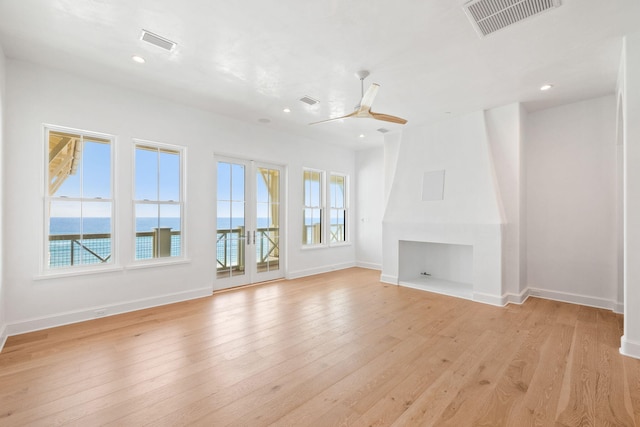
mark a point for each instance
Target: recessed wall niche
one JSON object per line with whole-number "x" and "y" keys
{"x": 437, "y": 267}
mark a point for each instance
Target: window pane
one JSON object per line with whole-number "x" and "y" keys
{"x": 65, "y": 156}
{"x": 96, "y": 170}
{"x": 169, "y": 175}
{"x": 169, "y": 240}
{"x": 314, "y": 189}
{"x": 263, "y": 179}
{"x": 237, "y": 214}
{"x": 237, "y": 182}
{"x": 337, "y": 191}
{"x": 65, "y": 227}
{"x": 312, "y": 226}
{"x": 224, "y": 215}
{"x": 337, "y": 225}
{"x": 147, "y": 220}
{"x": 146, "y": 174}
{"x": 95, "y": 247}
{"x": 224, "y": 181}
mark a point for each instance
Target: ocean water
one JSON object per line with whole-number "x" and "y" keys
{"x": 92, "y": 251}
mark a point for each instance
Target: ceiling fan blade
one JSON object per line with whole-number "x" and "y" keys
{"x": 335, "y": 118}
{"x": 368, "y": 97}
{"x": 388, "y": 118}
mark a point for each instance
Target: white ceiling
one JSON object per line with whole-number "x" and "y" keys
{"x": 249, "y": 59}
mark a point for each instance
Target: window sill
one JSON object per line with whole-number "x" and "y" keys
{"x": 313, "y": 247}
{"x": 157, "y": 263}
{"x": 339, "y": 245}
{"x": 55, "y": 274}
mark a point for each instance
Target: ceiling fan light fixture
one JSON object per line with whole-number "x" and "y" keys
{"x": 363, "y": 109}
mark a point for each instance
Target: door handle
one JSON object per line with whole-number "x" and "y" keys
{"x": 248, "y": 237}
{"x": 254, "y": 237}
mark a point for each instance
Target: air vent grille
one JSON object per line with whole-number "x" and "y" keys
{"x": 489, "y": 16}
{"x": 157, "y": 40}
{"x": 383, "y": 130}
{"x": 309, "y": 100}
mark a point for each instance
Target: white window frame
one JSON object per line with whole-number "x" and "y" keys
{"x": 330, "y": 209}
{"x": 181, "y": 203}
{"x": 322, "y": 208}
{"x": 113, "y": 262}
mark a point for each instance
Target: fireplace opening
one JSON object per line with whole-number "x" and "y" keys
{"x": 436, "y": 267}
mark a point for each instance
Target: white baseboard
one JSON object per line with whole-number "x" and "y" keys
{"x": 368, "y": 265}
{"x": 61, "y": 319}
{"x": 629, "y": 348}
{"x": 516, "y": 298}
{"x": 618, "y": 307}
{"x": 319, "y": 270}
{"x": 3, "y": 335}
{"x": 496, "y": 300}
{"x": 573, "y": 298}
{"x": 392, "y": 280}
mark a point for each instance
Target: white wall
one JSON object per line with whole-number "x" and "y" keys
{"x": 630, "y": 91}
{"x": 370, "y": 207}
{"x": 37, "y": 95}
{"x": 2, "y": 130}
{"x": 504, "y": 129}
{"x": 460, "y": 147}
{"x": 571, "y": 202}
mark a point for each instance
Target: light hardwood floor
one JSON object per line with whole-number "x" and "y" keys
{"x": 328, "y": 350}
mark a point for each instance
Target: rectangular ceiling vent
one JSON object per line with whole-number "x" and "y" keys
{"x": 157, "y": 40}
{"x": 309, "y": 100}
{"x": 489, "y": 16}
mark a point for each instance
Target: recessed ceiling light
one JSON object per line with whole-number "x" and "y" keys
{"x": 138, "y": 59}
{"x": 287, "y": 110}
{"x": 546, "y": 87}
{"x": 362, "y": 135}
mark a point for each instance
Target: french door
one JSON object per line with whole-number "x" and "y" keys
{"x": 249, "y": 222}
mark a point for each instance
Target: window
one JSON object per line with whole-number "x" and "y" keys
{"x": 79, "y": 199}
{"x": 312, "y": 215}
{"x": 158, "y": 201}
{"x": 337, "y": 208}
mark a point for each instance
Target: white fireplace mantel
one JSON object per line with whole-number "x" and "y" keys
{"x": 486, "y": 240}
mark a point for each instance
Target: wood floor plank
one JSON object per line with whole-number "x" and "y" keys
{"x": 334, "y": 349}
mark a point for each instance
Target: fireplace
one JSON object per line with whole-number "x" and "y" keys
{"x": 436, "y": 267}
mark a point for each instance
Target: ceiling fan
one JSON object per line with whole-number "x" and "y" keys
{"x": 363, "y": 109}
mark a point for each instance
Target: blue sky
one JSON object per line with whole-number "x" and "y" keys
{"x": 92, "y": 180}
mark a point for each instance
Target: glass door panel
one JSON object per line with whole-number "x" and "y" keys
{"x": 267, "y": 219}
{"x": 231, "y": 237}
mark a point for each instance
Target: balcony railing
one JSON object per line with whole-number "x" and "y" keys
{"x": 72, "y": 249}
{"x": 231, "y": 245}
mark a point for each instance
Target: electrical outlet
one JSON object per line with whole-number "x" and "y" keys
{"x": 100, "y": 313}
